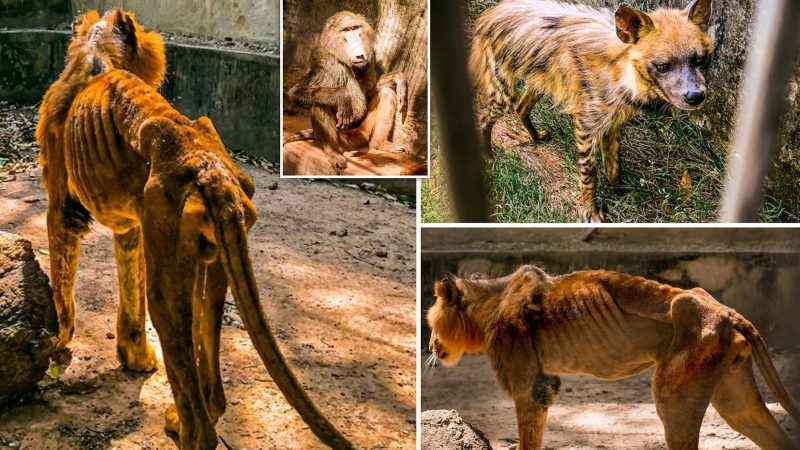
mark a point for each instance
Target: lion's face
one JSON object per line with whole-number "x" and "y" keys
{"x": 447, "y": 356}
{"x": 121, "y": 43}
{"x": 453, "y": 331}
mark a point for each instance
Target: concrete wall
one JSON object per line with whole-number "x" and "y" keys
{"x": 237, "y": 90}
{"x": 34, "y": 13}
{"x": 250, "y": 20}
{"x": 755, "y": 271}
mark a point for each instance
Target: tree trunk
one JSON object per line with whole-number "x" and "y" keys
{"x": 28, "y": 325}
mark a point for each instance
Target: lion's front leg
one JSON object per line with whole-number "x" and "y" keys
{"x": 133, "y": 350}
{"x": 531, "y": 406}
{"x": 67, "y": 222}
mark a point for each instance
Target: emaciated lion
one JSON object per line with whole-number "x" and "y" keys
{"x": 534, "y": 327}
{"x": 97, "y": 44}
{"x": 179, "y": 208}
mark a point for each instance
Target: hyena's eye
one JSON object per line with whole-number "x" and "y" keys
{"x": 662, "y": 68}
{"x": 698, "y": 61}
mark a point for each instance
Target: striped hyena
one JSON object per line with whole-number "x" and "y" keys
{"x": 597, "y": 65}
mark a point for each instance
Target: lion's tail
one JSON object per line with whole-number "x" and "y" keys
{"x": 304, "y": 135}
{"x": 231, "y": 234}
{"x": 764, "y": 363}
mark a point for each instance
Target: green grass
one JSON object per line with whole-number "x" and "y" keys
{"x": 657, "y": 149}
{"x": 518, "y": 196}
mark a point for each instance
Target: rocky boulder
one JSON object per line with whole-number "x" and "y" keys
{"x": 28, "y": 325}
{"x": 446, "y": 430}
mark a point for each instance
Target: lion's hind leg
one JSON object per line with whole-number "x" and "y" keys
{"x": 133, "y": 350}
{"x": 209, "y": 301}
{"x": 739, "y": 402}
{"x": 687, "y": 372}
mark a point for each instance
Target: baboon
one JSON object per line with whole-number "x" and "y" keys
{"x": 351, "y": 105}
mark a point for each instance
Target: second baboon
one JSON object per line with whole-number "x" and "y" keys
{"x": 351, "y": 104}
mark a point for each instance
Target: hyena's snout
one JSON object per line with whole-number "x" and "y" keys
{"x": 692, "y": 87}
{"x": 695, "y": 97}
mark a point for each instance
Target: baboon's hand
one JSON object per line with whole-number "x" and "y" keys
{"x": 344, "y": 112}
{"x": 402, "y": 92}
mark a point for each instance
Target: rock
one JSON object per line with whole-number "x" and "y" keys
{"x": 341, "y": 232}
{"x": 446, "y": 430}
{"x": 272, "y": 186}
{"x": 381, "y": 253}
{"x": 28, "y": 324}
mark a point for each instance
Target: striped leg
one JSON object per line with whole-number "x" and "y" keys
{"x": 494, "y": 102}
{"x": 588, "y": 211}
{"x": 524, "y": 107}
{"x": 609, "y": 148}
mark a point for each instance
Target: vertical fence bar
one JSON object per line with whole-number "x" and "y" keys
{"x": 762, "y": 101}
{"x": 461, "y": 154}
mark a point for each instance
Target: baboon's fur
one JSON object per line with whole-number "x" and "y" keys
{"x": 598, "y": 66}
{"x": 533, "y": 327}
{"x": 350, "y": 105}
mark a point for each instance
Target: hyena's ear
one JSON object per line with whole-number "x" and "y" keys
{"x": 699, "y": 12}
{"x": 447, "y": 290}
{"x": 632, "y": 24}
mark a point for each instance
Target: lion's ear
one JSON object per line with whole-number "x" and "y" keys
{"x": 127, "y": 27}
{"x": 448, "y": 290}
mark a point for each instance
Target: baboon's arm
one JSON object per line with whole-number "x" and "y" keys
{"x": 308, "y": 96}
{"x": 396, "y": 80}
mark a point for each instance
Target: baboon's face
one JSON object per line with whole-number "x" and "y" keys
{"x": 355, "y": 44}
{"x": 670, "y": 50}
{"x": 349, "y": 37}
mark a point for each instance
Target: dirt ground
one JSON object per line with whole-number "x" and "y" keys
{"x": 336, "y": 271}
{"x": 589, "y": 414}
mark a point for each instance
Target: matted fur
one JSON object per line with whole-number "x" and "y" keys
{"x": 143, "y": 169}
{"x": 596, "y": 65}
{"x": 98, "y": 44}
{"x": 533, "y": 328}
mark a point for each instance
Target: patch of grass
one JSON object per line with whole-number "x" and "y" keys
{"x": 517, "y": 195}
{"x": 669, "y": 171}
{"x": 434, "y": 201}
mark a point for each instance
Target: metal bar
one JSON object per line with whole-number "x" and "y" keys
{"x": 762, "y": 102}
{"x": 461, "y": 153}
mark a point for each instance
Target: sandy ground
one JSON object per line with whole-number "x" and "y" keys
{"x": 589, "y": 414}
{"x": 344, "y": 317}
